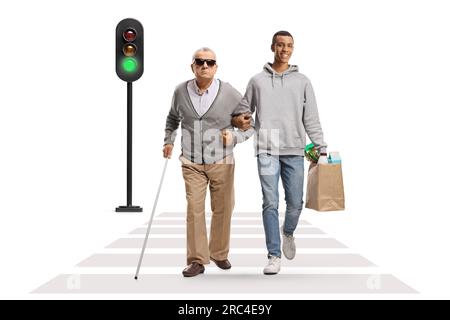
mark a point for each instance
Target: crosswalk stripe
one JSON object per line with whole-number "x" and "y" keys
{"x": 182, "y": 235}
{"x": 226, "y": 283}
{"x": 234, "y": 222}
{"x": 241, "y": 260}
{"x": 243, "y": 220}
{"x": 182, "y": 250}
{"x": 213, "y": 269}
{"x": 233, "y": 230}
{"x": 234, "y": 243}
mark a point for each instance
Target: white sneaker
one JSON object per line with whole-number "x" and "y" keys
{"x": 273, "y": 267}
{"x": 289, "y": 249}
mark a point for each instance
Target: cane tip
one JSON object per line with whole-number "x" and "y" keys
{"x": 135, "y": 278}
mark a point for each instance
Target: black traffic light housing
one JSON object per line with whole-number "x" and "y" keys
{"x": 129, "y": 68}
{"x": 129, "y": 50}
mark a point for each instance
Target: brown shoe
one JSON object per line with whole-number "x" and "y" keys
{"x": 222, "y": 264}
{"x": 193, "y": 269}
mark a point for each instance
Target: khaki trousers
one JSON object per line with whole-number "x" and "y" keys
{"x": 220, "y": 178}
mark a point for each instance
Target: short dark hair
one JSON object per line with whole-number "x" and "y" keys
{"x": 281, "y": 33}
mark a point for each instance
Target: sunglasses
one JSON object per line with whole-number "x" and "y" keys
{"x": 201, "y": 62}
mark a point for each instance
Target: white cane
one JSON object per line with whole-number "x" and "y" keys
{"x": 151, "y": 220}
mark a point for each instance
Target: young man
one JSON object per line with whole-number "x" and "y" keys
{"x": 204, "y": 106}
{"x": 285, "y": 109}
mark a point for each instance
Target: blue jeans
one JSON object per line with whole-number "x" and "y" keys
{"x": 291, "y": 169}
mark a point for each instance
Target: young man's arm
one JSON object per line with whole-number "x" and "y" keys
{"x": 311, "y": 119}
{"x": 242, "y": 115}
{"x": 231, "y": 136}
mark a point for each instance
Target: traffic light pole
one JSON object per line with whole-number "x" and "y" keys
{"x": 129, "y": 207}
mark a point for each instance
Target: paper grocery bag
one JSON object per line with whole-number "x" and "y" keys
{"x": 325, "y": 188}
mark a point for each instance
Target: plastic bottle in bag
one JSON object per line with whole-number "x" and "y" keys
{"x": 311, "y": 153}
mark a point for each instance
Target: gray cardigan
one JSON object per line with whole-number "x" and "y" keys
{"x": 201, "y": 140}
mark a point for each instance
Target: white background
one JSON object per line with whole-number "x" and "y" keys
{"x": 380, "y": 71}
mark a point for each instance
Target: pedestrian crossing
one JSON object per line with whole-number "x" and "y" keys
{"x": 246, "y": 230}
{"x": 322, "y": 265}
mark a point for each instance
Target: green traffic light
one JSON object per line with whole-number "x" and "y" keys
{"x": 129, "y": 64}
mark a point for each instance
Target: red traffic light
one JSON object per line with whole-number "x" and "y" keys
{"x": 129, "y": 35}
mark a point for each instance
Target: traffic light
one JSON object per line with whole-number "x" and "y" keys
{"x": 129, "y": 50}
{"x": 129, "y": 68}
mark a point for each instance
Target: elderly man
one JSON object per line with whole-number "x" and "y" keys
{"x": 204, "y": 106}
